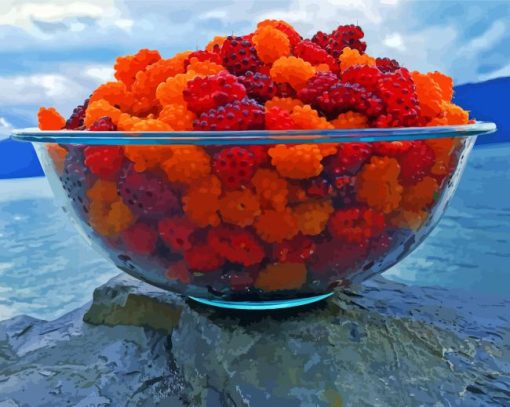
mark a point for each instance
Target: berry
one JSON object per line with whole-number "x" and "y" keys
{"x": 115, "y": 93}
{"x": 50, "y": 119}
{"x": 275, "y": 226}
{"x": 351, "y": 57}
{"x": 187, "y": 164}
{"x": 178, "y": 117}
{"x": 203, "y": 94}
{"x": 350, "y": 120}
{"x": 318, "y": 187}
{"x": 203, "y": 56}
{"x": 76, "y": 119}
{"x": 215, "y": 44}
{"x": 286, "y": 28}
{"x": 292, "y": 70}
{"x": 239, "y": 207}
{"x": 279, "y": 119}
{"x": 171, "y": 91}
{"x": 147, "y": 194}
{"x": 271, "y": 189}
{"x": 104, "y": 161}
{"x": 429, "y": 95}
{"x": 284, "y": 103}
{"x": 299, "y": 161}
{"x": 343, "y": 97}
{"x": 316, "y": 85}
{"x": 239, "y": 55}
{"x": 364, "y": 75}
{"x": 314, "y": 54}
{"x": 296, "y": 250}
{"x": 140, "y": 238}
{"x": 98, "y": 110}
{"x": 270, "y": 44}
{"x": 356, "y": 225}
{"x": 234, "y": 166}
{"x": 348, "y": 159}
{"x": 285, "y": 90}
{"x": 420, "y": 195}
{"x": 391, "y": 148}
{"x": 127, "y": 67}
{"x": 386, "y": 65}
{"x": 305, "y": 117}
{"x": 239, "y": 115}
{"x": 312, "y": 216}
{"x": 321, "y": 39}
{"x": 201, "y": 68}
{"x": 202, "y": 258}
{"x": 397, "y": 91}
{"x": 445, "y": 84}
{"x": 260, "y": 156}
{"x": 236, "y": 245}
{"x": 343, "y": 36}
{"x": 345, "y": 190}
{"x": 76, "y": 179}
{"x": 258, "y": 86}
{"x": 416, "y": 163}
{"x": 103, "y": 124}
{"x": 176, "y": 233}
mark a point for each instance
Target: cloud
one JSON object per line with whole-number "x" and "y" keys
{"x": 5, "y": 128}
{"x": 394, "y": 41}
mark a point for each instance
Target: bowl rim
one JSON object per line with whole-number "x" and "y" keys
{"x": 247, "y": 137}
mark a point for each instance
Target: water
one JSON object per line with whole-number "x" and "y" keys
{"x": 47, "y": 269}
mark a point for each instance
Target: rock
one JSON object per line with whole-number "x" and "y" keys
{"x": 382, "y": 344}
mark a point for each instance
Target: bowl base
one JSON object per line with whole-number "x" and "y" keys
{"x": 261, "y": 305}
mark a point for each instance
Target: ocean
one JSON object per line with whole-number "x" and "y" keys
{"x": 47, "y": 269}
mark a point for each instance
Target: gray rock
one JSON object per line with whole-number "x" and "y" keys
{"x": 383, "y": 344}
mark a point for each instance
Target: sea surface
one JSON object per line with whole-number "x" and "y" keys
{"x": 47, "y": 269}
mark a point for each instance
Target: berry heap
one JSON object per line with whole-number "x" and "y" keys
{"x": 259, "y": 218}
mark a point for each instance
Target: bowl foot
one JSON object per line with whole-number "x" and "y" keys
{"x": 261, "y": 305}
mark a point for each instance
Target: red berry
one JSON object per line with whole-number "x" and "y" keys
{"x": 391, "y": 148}
{"x": 239, "y": 55}
{"x": 284, "y": 90}
{"x": 104, "y": 161}
{"x": 147, "y": 194}
{"x": 356, "y": 225}
{"x": 321, "y": 39}
{"x": 176, "y": 233}
{"x": 293, "y": 36}
{"x": 236, "y": 245}
{"x": 314, "y": 54}
{"x": 346, "y": 36}
{"x": 364, "y": 75}
{"x": 204, "y": 93}
{"x": 239, "y": 115}
{"x": 203, "y": 56}
{"x": 416, "y": 163}
{"x": 279, "y": 119}
{"x": 348, "y": 159}
{"x": 260, "y": 156}
{"x": 316, "y": 86}
{"x": 103, "y": 124}
{"x": 75, "y": 121}
{"x": 318, "y": 187}
{"x": 387, "y": 65}
{"x": 140, "y": 238}
{"x": 343, "y": 97}
{"x": 201, "y": 258}
{"x": 258, "y": 86}
{"x": 234, "y": 166}
{"x": 296, "y": 250}
{"x": 397, "y": 91}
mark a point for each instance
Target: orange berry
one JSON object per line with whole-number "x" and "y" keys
{"x": 455, "y": 114}
{"x": 350, "y": 120}
{"x": 101, "y": 108}
{"x": 287, "y": 104}
{"x": 295, "y": 71}
{"x": 58, "y": 155}
{"x": 178, "y": 117}
{"x": 147, "y": 157}
{"x": 115, "y": 93}
{"x": 187, "y": 164}
{"x": 377, "y": 184}
{"x": 322, "y": 68}
{"x": 281, "y": 276}
{"x": 201, "y": 207}
{"x": 216, "y": 42}
{"x": 103, "y": 191}
{"x": 126, "y": 122}
{"x": 275, "y": 226}
{"x": 307, "y": 118}
{"x": 270, "y": 44}
{"x": 239, "y": 207}
{"x": 170, "y": 91}
{"x": 110, "y": 219}
{"x": 443, "y": 149}
{"x": 350, "y": 57}
{"x": 445, "y": 84}
{"x": 312, "y": 217}
{"x": 204, "y": 67}
{"x": 298, "y": 161}
{"x": 271, "y": 188}
{"x": 429, "y": 94}
{"x": 408, "y": 219}
{"x": 128, "y": 66}
{"x": 420, "y": 195}
{"x": 150, "y": 125}
{"x": 50, "y": 119}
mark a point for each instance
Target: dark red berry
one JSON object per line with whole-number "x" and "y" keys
{"x": 387, "y": 65}
{"x": 364, "y": 75}
{"x": 246, "y": 114}
{"x": 104, "y": 161}
{"x": 316, "y": 86}
{"x": 239, "y": 55}
{"x": 258, "y": 86}
{"x": 313, "y": 53}
{"x": 235, "y": 166}
{"x": 416, "y": 163}
{"x": 343, "y": 97}
{"x": 203, "y": 56}
{"x": 76, "y": 119}
{"x": 296, "y": 250}
{"x": 176, "y": 233}
{"x": 103, "y": 124}
{"x": 140, "y": 238}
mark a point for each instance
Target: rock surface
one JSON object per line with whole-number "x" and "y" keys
{"x": 384, "y": 344}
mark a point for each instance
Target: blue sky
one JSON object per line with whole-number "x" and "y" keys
{"x": 54, "y": 52}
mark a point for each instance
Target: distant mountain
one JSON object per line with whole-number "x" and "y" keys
{"x": 487, "y": 101}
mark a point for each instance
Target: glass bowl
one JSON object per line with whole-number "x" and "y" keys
{"x": 255, "y": 219}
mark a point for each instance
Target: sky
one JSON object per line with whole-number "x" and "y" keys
{"x": 55, "y": 52}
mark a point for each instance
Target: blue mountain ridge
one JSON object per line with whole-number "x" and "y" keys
{"x": 485, "y": 100}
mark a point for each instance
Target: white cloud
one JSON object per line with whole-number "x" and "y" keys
{"x": 102, "y": 73}
{"x": 5, "y": 128}
{"x": 394, "y": 41}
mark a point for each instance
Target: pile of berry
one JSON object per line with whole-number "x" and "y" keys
{"x": 259, "y": 218}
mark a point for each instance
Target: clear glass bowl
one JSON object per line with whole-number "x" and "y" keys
{"x": 320, "y": 209}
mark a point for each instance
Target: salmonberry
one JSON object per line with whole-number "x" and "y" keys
{"x": 343, "y": 97}
{"x": 236, "y": 245}
{"x": 103, "y": 124}
{"x": 239, "y": 55}
{"x": 234, "y": 166}
{"x": 104, "y": 161}
{"x": 258, "y": 86}
{"x": 314, "y": 54}
{"x": 140, "y": 238}
{"x": 316, "y": 85}
{"x": 387, "y": 65}
{"x": 176, "y": 233}
{"x": 416, "y": 163}
{"x": 296, "y": 250}
{"x": 246, "y": 114}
